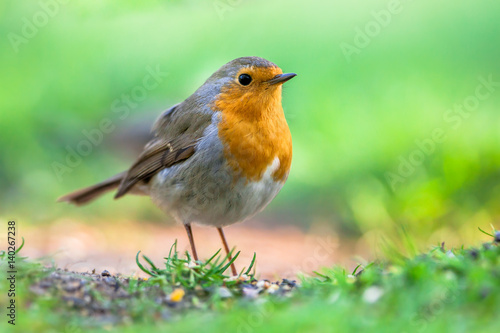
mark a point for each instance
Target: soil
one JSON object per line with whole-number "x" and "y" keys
{"x": 281, "y": 251}
{"x": 103, "y": 299}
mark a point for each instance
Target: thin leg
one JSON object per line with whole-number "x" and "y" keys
{"x": 191, "y": 240}
{"x": 221, "y": 233}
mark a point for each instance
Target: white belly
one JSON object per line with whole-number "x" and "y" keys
{"x": 204, "y": 190}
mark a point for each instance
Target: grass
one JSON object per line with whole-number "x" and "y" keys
{"x": 189, "y": 274}
{"x": 442, "y": 290}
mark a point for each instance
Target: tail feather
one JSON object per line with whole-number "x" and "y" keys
{"x": 85, "y": 195}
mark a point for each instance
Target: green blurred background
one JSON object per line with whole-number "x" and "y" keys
{"x": 354, "y": 115}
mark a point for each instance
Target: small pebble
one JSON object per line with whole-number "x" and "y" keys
{"x": 474, "y": 253}
{"x": 251, "y": 293}
{"x": 192, "y": 264}
{"x": 291, "y": 283}
{"x": 273, "y": 288}
{"x": 450, "y": 254}
{"x": 74, "y": 301}
{"x": 372, "y": 294}
{"x": 264, "y": 284}
{"x": 73, "y": 286}
{"x": 243, "y": 277}
{"x": 350, "y": 278}
{"x": 224, "y": 293}
{"x": 497, "y": 236}
{"x": 109, "y": 280}
{"x": 105, "y": 273}
{"x": 177, "y": 295}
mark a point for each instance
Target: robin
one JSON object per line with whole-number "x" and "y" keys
{"x": 217, "y": 158}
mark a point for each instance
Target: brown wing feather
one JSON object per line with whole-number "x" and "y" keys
{"x": 159, "y": 156}
{"x": 176, "y": 135}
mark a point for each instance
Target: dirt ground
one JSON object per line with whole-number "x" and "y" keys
{"x": 282, "y": 251}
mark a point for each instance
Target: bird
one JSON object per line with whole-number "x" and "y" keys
{"x": 217, "y": 158}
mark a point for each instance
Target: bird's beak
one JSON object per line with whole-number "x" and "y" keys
{"x": 281, "y": 78}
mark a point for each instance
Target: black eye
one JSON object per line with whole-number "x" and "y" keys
{"x": 245, "y": 79}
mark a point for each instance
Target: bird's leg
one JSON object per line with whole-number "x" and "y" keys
{"x": 191, "y": 240}
{"x": 221, "y": 233}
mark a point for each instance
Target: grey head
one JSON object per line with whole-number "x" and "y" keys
{"x": 227, "y": 73}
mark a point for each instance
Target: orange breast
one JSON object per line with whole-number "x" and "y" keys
{"x": 254, "y": 132}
